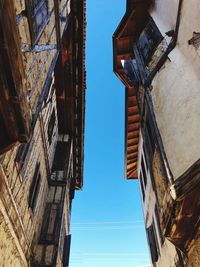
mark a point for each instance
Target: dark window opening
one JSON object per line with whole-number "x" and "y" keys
{"x": 149, "y": 136}
{"x": 142, "y": 186}
{"x": 144, "y": 171}
{"x": 61, "y": 156}
{"x": 149, "y": 40}
{"x": 34, "y": 188}
{"x": 66, "y": 251}
{"x": 51, "y": 126}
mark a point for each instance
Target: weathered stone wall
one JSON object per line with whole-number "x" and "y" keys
{"x": 36, "y": 65}
{"x": 16, "y": 179}
{"x": 9, "y": 253}
{"x": 19, "y": 181}
{"x": 20, "y": 225}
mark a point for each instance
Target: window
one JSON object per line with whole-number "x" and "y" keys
{"x": 152, "y": 243}
{"x": 149, "y": 136}
{"x": 142, "y": 186}
{"x": 144, "y": 171}
{"x": 143, "y": 176}
{"x": 61, "y": 157}
{"x": 149, "y": 40}
{"x": 51, "y": 126}
{"x": 61, "y": 162}
{"x": 38, "y": 17}
{"x": 34, "y": 188}
{"x": 49, "y": 224}
{"x": 68, "y": 7}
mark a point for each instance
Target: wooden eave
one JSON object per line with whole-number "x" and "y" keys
{"x": 132, "y": 128}
{"x": 79, "y": 97}
{"x": 126, "y": 34}
{"x": 71, "y": 85}
{"x": 15, "y": 119}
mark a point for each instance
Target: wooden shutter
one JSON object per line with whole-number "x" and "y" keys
{"x": 66, "y": 251}
{"x": 34, "y": 189}
{"x": 51, "y": 126}
{"x": 152, "y": 243}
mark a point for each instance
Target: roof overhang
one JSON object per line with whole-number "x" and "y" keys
{"x": 80, "y": 97}
{"x": 127, "y": 32}
{"x": 132, "y": 128}
{"x": 71, "y": 85}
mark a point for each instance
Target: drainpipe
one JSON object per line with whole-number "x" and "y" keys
{"x": 170, "y": 47}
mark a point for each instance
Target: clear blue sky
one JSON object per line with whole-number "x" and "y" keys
{"x": 107, "y": 221}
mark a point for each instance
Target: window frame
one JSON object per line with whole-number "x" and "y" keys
{"x": 153, "y": 243}
{"x": 149, "y": 40}
{"x": 31, "y": 14}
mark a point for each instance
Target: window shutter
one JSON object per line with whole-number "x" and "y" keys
{"x": 152, "y": 243}
{"x": 34, "y": 189}
{"x": 66, "y": 251}
{"x": 51, "y": 126}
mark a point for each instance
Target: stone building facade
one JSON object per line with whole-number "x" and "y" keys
{"x": 42, "y": 110}
{"x": 156, "y": 56}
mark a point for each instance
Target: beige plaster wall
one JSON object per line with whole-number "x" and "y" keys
{"x": 168, "y": 255}
{"x": 176, "y": 96}
{"x": 158, "y": 13}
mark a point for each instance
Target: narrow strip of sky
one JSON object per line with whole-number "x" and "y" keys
{"x": 107, "y": 228}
